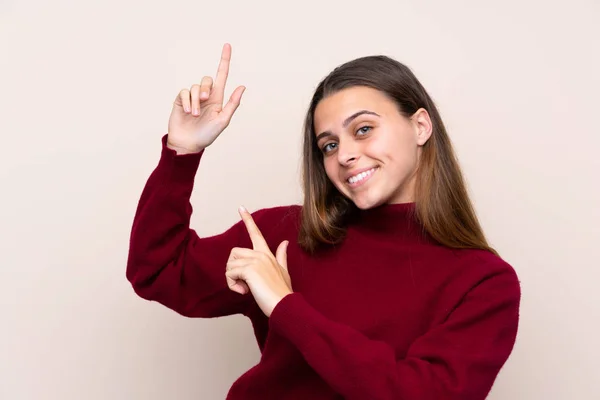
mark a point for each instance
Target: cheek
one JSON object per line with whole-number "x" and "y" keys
{"x": 399, "y": 152}
{"x": 331, "y": 169}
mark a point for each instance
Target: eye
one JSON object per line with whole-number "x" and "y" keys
{"x": 363, "y": 130}
{"x": 327, "y": 148}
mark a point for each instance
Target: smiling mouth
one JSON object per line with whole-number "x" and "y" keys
{"x": 361, "y": 178}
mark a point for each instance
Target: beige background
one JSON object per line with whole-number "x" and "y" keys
{"x": 85, "y": 94}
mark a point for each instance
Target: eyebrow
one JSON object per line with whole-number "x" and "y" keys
{"x": 347, "y": 122}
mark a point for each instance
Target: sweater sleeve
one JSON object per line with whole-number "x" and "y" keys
{"x": 167, "y": 261}
{"x": 457, "y": 359}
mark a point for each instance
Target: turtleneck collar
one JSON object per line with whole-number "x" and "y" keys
{"x": 394, "y": 220}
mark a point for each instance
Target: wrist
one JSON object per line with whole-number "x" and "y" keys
{"x": 182, "y": 150}
{"x": 277, "y": 301}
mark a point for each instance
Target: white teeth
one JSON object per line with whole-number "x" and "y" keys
{"x": 361, "y": 176}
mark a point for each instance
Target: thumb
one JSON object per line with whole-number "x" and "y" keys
{"x": 281, "y": 254}
{"x": 233, "y": 103}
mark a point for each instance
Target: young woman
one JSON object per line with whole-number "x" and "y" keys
{"x": 380, "y": 286}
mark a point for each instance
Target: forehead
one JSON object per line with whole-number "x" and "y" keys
{"x": 334, "y": 108}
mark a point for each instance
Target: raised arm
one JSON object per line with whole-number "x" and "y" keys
{"x": 167, "y": 261}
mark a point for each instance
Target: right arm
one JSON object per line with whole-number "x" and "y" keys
{"x": 167, "y": 261}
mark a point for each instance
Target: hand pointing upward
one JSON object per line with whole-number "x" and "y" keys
{"x": 198, "y": 116}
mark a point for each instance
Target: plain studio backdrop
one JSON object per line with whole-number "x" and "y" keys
{"x": 86, "y": 90}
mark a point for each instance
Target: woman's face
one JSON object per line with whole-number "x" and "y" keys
{"x": 370, "y": 150}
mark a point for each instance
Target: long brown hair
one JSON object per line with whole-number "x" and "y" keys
{"x": 442, "y": 203}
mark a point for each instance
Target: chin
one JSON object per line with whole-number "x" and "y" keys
{"x": 369, "y": 197}
{"x": 365, "y": 202}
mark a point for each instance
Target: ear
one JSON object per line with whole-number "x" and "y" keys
{"x": 423, "y": 126}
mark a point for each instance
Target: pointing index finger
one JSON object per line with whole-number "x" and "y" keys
{"x": 258, "y": 241}
{"x": 223, "y": 71}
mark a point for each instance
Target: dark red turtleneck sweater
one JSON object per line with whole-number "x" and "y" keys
{"x": 388, "y": 314}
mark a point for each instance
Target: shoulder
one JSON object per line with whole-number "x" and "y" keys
{"x": 277, "y": 214}
{"x": 470, "y": 279}
{"x": 466, "y": 264}
{"x": 481, "y": 270}
{"x": 278, "y": 219}
{"x": 483, "y": 263}
{"x": 458, "y": 273}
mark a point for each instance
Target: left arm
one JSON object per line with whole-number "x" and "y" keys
{"x": 458, "y": 359}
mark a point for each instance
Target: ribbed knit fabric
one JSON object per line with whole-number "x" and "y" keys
{"x": 387, "y": 314}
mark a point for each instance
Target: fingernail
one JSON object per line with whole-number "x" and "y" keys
{"x": 242, "y": 209}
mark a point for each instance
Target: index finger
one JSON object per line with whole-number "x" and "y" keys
{"x": 222, "y": 71}
{"x": 258, "y": 241}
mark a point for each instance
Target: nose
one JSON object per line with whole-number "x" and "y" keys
{"x": 347, "y": 153}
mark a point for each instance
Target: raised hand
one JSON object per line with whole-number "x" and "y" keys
{"x": 257, "y": 271}
{"x": 198, "y": 116}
